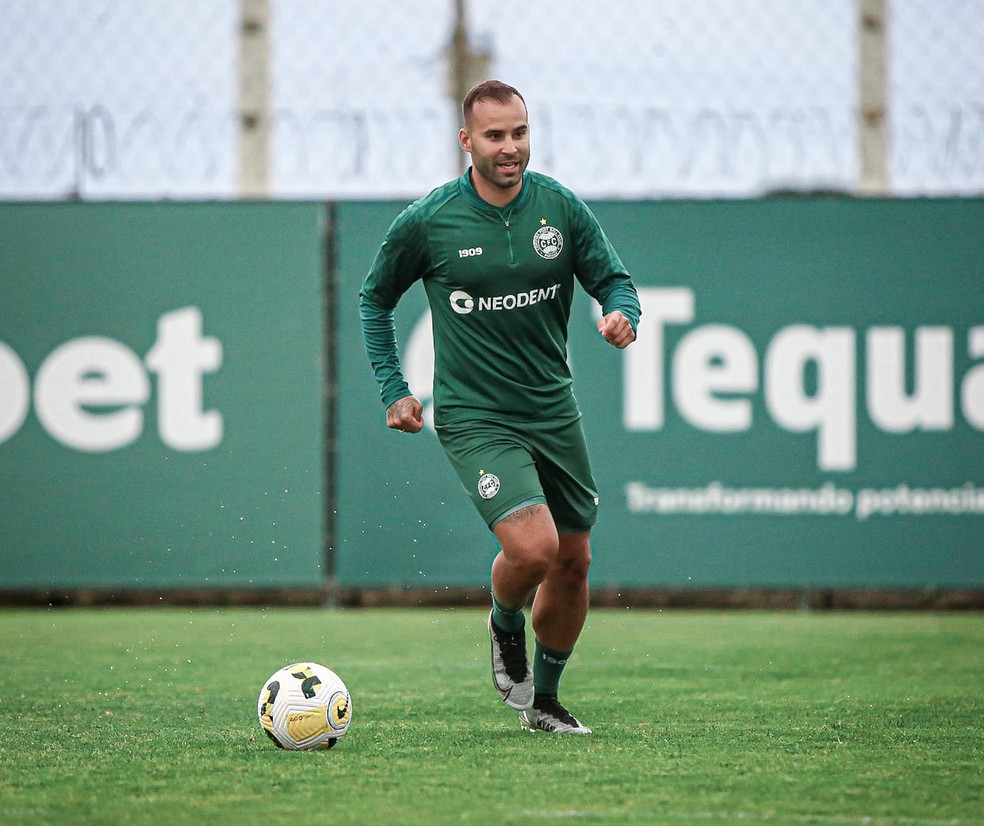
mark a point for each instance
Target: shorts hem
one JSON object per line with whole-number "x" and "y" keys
{"x": 533, "y": 500}
{"x": 565, "y": 530}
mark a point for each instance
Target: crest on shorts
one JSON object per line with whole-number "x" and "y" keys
{"x": 548, "y": 242}
{"x": 488, "y": 485}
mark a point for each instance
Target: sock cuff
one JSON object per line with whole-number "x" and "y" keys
{"x": 552, "y": 655}
{"x": 509, "y": 612}
{"x": 511, "y": 621}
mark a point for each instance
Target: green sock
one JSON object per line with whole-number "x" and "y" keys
{"x": 548, "y": 665}
{"x": 506, "y": 619}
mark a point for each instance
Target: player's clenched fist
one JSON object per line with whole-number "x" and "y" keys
{"x": 616, "y": 329}
{"x": 405, "y": 415}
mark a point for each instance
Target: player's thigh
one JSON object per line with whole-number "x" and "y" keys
{"x": 495, "y": 466}
{"x": 528, "y": 536}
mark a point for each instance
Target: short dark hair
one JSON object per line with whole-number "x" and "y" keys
{"x": 488, "y": 90}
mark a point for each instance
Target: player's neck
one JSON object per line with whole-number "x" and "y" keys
{"x": 495, "y": 195}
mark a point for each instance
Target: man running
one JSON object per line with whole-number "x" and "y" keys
{"x": 498, "y": 251}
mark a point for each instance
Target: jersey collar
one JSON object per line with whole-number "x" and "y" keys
{"x": 468, "y": 190}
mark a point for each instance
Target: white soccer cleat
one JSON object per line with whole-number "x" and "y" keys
{"x": 549, "y": 715}
{"x": 512, "y": 675}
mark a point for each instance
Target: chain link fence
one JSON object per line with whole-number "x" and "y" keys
{"x": 681, "y": 98}
{"x": 936, "y": 93}
{"x": 105, "y": 99}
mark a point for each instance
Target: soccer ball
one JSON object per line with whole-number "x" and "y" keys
{"x": 304, "y": 706}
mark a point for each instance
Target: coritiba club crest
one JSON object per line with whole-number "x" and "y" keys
{"x": 548, "y": 242}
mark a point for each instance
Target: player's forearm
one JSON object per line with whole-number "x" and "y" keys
{"x": 379, "y": 333}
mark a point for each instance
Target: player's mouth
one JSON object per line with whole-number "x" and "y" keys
{"x": 509, "y": 166}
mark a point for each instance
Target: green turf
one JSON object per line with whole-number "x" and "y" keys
{"x": 149, "y": 716}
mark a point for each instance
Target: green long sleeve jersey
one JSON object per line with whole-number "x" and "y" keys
{"x": 499, "y": 281}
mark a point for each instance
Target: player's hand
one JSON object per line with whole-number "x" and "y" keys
{"x": 616, "y": 330}
{"x": 405, "y": 415}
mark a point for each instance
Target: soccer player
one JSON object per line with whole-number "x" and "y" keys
{"x": 498, "y": 250}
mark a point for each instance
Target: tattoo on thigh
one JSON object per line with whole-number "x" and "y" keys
{"x": 523, "y": 514}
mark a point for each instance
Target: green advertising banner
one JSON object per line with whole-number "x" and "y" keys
{"x": 161, "y": 395}
{"x": 804, "y": 406}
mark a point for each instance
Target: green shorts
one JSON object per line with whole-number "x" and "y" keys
{"x": 505, "y": 466}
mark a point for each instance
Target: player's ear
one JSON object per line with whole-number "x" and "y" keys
{"x": 464, "y": 140}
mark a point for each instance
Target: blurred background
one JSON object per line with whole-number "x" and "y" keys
{"x": 191, "y": 194}
{"x": 287, "y": 99}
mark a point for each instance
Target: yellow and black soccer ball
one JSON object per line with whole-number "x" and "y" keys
{"x": 304, "y": 706}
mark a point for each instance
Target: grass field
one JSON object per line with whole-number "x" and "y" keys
{"x": 149, "y": 716}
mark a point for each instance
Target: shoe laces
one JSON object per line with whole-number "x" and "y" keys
{"x": 550, "y": 705}
{"x": 512, "y": 649}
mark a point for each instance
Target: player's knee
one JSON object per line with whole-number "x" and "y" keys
{"x": 573, "y": 569}
{"x": 573, "y": 562}
{"x": 533, "y": 555}
{"x": 537, "y": 556}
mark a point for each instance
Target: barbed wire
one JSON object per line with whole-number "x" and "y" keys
{"x": 649, "y": 151}
{"x": 945, "y": 142}
{"x": 66, "y": 151}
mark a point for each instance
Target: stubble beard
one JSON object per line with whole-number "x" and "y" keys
{"x": 494, "y": 175}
